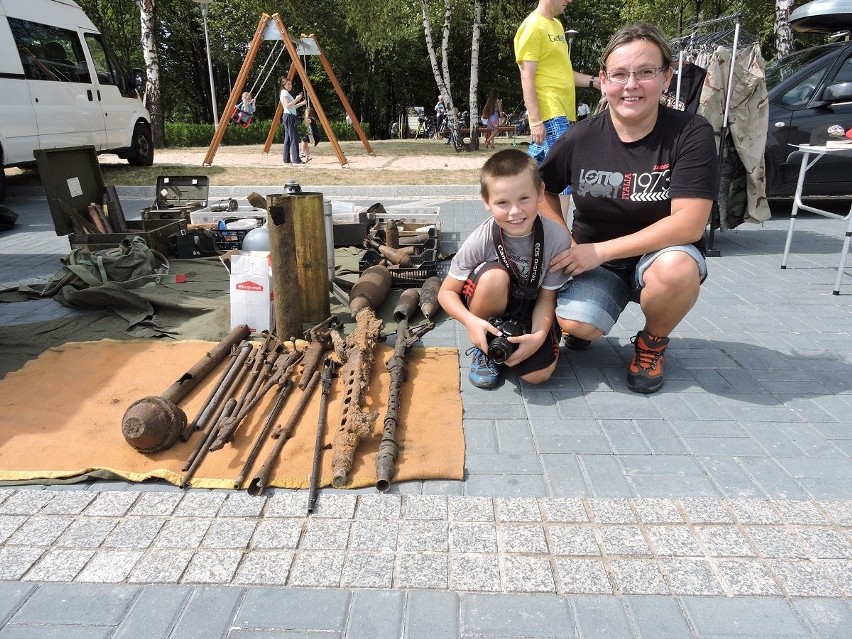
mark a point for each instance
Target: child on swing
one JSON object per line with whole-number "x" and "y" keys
{"x": 244, "y": 111}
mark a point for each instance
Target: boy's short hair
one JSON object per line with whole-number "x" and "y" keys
{"x": 508, "y": 163}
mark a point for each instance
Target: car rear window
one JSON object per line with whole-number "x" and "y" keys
{"x": 779, "y": 70}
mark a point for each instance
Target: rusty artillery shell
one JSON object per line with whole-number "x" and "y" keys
{"x": 392, "y": 234}
{"x": 407, "y": 304}
{"x": 429, "y": 297}
{"x": 370, "y": 290}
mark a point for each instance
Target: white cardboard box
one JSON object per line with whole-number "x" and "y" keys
{"x": 251, "y": 289}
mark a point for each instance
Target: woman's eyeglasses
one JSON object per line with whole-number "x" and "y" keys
{"x": 641, "y": 75}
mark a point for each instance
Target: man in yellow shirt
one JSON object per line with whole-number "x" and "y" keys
{"x": 547, "y": 78}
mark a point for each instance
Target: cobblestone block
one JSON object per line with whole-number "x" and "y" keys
{"x": 265, "y": 567}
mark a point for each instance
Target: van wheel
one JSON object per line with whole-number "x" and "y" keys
{"x": 141, "y": 147}
{"x": 2, "y": 181}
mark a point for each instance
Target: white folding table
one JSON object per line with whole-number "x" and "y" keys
{"x": 817, "y": 152}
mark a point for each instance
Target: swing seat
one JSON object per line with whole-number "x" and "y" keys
{"x": 241, "y": 117}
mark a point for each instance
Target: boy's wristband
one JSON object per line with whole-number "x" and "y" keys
{"x": 536, "y": 123}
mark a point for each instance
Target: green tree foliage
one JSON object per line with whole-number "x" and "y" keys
{"x": 377, "y": 48}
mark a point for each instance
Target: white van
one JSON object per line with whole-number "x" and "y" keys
{"x": 60, "y": 86}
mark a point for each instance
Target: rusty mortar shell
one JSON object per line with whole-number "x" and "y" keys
{"x": 429, "y": 297}
{"x": 407, "y": 305}
{"x": 370, "y": 290}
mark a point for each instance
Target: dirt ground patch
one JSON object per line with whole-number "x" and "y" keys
{"x": 391, "y": 162}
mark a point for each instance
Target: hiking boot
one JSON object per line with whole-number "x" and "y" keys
{"x": 645, "y": 374}
{"x": 483, "y": 372}
{"x": 575, "y": 343}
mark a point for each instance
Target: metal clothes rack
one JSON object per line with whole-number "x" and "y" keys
{"x": 715, "y": 37}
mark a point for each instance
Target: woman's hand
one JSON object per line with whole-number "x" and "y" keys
{"x": 577, "y": 259}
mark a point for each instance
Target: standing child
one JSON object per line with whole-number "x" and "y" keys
{"x": 312, "y": 134}
{"x": 500, "y": 273}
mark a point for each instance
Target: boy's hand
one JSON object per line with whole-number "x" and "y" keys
{"x": 528, "y": 344}
{"x": 478, "y": 330}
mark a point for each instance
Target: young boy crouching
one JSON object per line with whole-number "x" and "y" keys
{"x": 499, "y": 276}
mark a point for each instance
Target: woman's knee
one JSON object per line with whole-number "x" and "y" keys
{"x": 579, "y": 329}
{"x": 673, "y": 269}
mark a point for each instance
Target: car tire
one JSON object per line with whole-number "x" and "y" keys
{"x": 141, "y": 146}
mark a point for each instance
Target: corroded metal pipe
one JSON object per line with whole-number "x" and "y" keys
{"x": 285, "y": 276}
{"x": 311, "y": 254}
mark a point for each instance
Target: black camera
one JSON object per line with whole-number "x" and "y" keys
{"x": 499, "y": 347}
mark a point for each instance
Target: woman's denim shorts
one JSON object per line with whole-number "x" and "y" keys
{"x": 598, "y": 297}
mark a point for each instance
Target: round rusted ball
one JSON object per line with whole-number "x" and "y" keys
{"x": 152, "y": 424}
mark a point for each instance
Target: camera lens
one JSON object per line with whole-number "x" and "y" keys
{"x": 500, "y": 349}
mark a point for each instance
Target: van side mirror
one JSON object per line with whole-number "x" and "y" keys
{"x": 138, "y": 79}
{"x": 840, "y": 92}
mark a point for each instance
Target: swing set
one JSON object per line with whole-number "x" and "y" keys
{"x": 244, "y": 114}
{"x": 272, "y": 28}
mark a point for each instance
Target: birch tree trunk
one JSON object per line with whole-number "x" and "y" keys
{"x": 443, "y": 88}
{"x": 476, "y": 33}
{"x": 153, "y": 94}
{"x": 783, "y": 32}
{"x": 445, "y": 47}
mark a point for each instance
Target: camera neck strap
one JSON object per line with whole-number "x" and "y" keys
{"x": 526, "y": 290}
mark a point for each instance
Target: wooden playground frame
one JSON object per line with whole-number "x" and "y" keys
{"x": 272, "y": 28}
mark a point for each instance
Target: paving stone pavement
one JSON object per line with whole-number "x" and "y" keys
{"x": 720, "y": 506}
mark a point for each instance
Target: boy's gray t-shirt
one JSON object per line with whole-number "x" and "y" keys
{"x": 479, "y": 248}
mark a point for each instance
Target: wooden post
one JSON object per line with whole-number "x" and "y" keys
{"x": 330, "y": 72}
{"x": 236, "y": 91}
{"x": 285, "y": 276}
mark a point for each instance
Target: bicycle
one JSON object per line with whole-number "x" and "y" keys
{"x": 453, "y": 134}
{"x": 425, "y": 127}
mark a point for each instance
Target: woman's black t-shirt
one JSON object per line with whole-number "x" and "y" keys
{"x": 620, "y": 187}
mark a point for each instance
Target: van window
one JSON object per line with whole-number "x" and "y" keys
{"x": 49, "y": 53}
{"x": 107, "y": 68}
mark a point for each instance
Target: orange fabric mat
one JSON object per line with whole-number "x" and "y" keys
{"x": 62, "y": 416}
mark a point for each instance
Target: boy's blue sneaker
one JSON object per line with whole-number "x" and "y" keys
{"x": 483, "y": 372}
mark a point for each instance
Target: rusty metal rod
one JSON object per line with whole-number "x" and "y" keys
{"x": 230, "y": 405}
{"x": 283, "y": 394}
{"x": 328, "y": 371}
{"x": 282, "y": 434}
{"x": 221, "y": 387}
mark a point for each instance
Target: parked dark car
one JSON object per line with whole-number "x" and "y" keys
{"x": 809, "y": 91}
